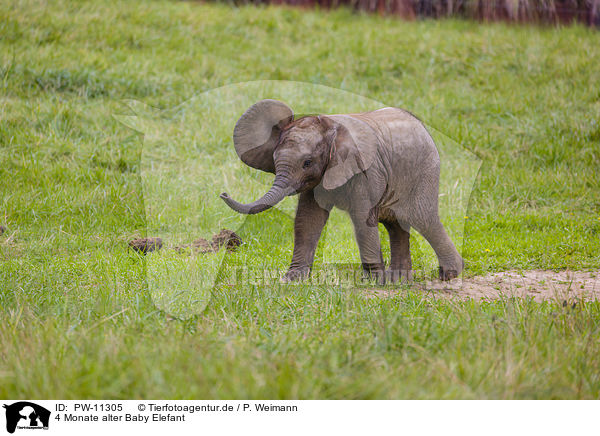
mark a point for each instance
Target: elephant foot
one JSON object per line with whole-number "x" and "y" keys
{"x": 375, "y": 272}
{"x": 295, "y": 275}
{"x": 399, "y": 275}
{"x": 448, "y": 274}
{"x": 452, "y": 269}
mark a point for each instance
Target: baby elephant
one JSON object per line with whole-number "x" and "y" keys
{"x": 379, "y": 166}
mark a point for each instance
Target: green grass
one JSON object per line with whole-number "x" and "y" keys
{"x": 78, "y": 320}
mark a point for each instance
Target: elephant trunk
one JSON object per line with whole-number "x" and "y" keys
{"x": 278, "y": 192}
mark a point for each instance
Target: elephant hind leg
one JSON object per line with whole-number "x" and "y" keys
{"x": 451, "y": 263}
{"x": 400, "y": 262}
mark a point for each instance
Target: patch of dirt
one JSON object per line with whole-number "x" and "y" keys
{"x": 564, "y": 286}
{"x": 200, "y": 245}
{"x": 146, "y": 245}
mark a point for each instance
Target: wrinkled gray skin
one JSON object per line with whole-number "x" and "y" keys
{"x": 379, "y": 166}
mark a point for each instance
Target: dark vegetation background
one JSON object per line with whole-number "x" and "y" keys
{"x": 545, "y": 11}
{"x": 76, "y": 316}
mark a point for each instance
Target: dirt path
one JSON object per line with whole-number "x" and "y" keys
{"x": 569, "y": 286}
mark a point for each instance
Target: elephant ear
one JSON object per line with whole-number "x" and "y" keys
{"x": 353, "y": 148}
{"x": 257, "y": 131}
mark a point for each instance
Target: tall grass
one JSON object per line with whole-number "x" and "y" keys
{"x": 544, "y": 11}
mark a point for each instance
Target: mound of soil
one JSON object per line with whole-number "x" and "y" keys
{"x": 226, "y": 238}
{"x": 146, "y": 245}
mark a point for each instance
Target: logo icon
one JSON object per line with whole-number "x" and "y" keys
{"x": 26, "y": 415}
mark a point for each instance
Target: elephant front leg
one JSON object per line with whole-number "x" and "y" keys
{"x": 308, "y": 225}
{"x": 369, "y": 245}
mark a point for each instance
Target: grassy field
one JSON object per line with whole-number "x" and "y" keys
{"x": 78, "y": 320}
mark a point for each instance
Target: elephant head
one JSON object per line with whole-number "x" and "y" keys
{"x": 302, "y": 153}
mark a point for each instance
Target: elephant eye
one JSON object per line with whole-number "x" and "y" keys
{"x": 307, "y": 163}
